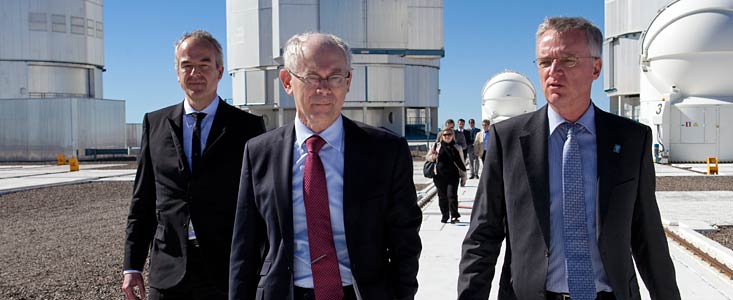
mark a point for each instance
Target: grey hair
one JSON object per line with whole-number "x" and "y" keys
{"x": 202, "y": 35}
{"x": 593, "y": 35}
{"x": 293, "y": 50}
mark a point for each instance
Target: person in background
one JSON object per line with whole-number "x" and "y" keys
{"x": 571, "y": 187}
{"x": 467, "y": 137}
{"x": 460, "y": 139}
{"x": 481, "y": 142}
{"x": 450, "y": 171}
{"x": 327, "y": 206}
{"x": 185, "y": 191}
{"x": 473, "y": 159}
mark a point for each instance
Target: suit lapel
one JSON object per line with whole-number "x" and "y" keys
{"x": 356, "y": 165}
{"x": 218, "y": 128}
{"x": 282, "y": 158}
{"x": 608, "y": 162}
{"x": 534, "y": 151}
{"x": 175, "y": 121}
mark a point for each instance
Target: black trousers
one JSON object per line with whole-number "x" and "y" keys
{"x": 447, "y": 196}
{"x": 195, "y": 285}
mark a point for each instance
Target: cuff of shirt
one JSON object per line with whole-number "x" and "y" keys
{"x": 130, "y": 272}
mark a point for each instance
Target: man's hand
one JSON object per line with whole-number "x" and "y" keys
{"x": 134, "y": 286}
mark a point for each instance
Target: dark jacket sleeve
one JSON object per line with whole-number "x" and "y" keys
{"x": 485, "y": 234}
{"x": 141, "y": 220}
{"x": 404, "y": 220}
{"x": 247, "y": 239}
{"x": 648, "y": 242}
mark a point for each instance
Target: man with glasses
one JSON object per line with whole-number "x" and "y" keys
{"x": 571, "y": 188}
{"x": 182, "y": 208}
{"x": 327, "y": 207}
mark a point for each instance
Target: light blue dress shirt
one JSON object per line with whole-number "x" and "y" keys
{"x": 189, "y": 123}
{"x": 332, "y": 156}
{"x": 556, "y": 273}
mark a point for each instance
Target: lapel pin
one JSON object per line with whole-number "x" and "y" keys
{"x": 617, "y": 148}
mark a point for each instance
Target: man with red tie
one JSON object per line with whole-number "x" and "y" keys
{"x": 327, "y": 208}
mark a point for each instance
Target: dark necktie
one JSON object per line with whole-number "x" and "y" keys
{"x": 581, "y": 281}
{"x": 324, "y": 262}
{"x": 196, "y": 142}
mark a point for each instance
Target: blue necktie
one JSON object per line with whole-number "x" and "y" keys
{"x": 581, "y": 281}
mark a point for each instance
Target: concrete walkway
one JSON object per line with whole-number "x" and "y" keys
{"x": 25, "y": 177}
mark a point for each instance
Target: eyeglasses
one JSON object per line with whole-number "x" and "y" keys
{"x": 447, "y": 134}
{"x": 566, "y": 62}
{"x": 313, "y": 81}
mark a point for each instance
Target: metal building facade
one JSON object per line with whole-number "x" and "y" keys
{"x": 625, "y": 21}
{"x": 52, "y": 60}
{"x": 39, "y": 129}
{"x": 397, "y": 47}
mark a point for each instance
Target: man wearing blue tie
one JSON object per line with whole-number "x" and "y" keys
{"x": 573, "y": 205}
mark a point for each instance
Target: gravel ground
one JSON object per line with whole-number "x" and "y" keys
{"x": 63, "y": 242}
{"x": 724, "y": 236}
{"x": 66, "y": 242}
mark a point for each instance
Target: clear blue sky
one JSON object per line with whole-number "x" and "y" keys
{"x": 482, "y": 38}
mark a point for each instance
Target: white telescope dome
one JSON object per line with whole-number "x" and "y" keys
{"x": 689, "y": 47}
{"x": 506, "y": 95}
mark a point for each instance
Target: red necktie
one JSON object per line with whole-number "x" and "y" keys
{"x": 324, "y": 262}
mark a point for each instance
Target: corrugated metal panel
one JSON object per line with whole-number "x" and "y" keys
{"x": 255, "y": 80}
{"x": 425, "y": 24}
{"x": 356, "y": 114}
{"x": 421, "y": 86}
{"x": 249, "y": 34}
{"x": 49, "y": 81}
{"x": 345, "y": 19}
{"x": 42, "y": 31}
{"x": 626, "y": 16}
{"x": 626, "y": 65}
{"x": 38, "y": 129}
{"x": 291, "y": 17}
{"x": 134, "y": 134}
{"x": 386, "y": 83}
{"x": 386, "y": 24}
{"x": 27, "y": 36}
{"x": 13, "y": 79}
{"x": 357, "y": 91}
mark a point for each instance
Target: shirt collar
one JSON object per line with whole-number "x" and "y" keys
{"x": 333, "y": 135}
{"x": 587, "y": 119}
{"x": 209, "y": 110}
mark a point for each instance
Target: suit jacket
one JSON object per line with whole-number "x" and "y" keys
{"x": 460, "y": 138}
{"x": 381, "y": 216}
{"x": 472, "y": 132}
{"x": 166, "y": 195}
{"x": 478, "y": 144}
{"x": 514, "y": 196}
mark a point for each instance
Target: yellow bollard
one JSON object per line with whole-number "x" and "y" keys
{"x": 712, "y": 169}
{"x": 60, "y": 160}
{"x": 73, "y": 164}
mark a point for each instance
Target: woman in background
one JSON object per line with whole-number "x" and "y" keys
{"x": 449, "y": 172}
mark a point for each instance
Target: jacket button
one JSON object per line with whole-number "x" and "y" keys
{"x": 547, "y": 253}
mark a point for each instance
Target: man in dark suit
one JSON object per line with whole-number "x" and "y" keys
{"x": 186, "y": 184}
{"x": 467, "y": 137}
{"x": 571, "y": 188}
{"x": 473, "y": 159}
{"x": 327, "y": 207}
